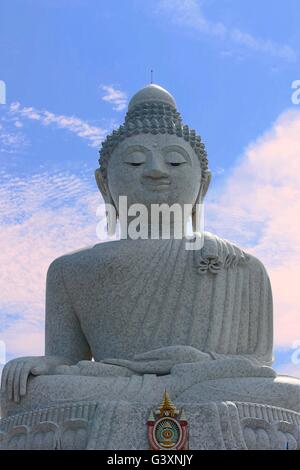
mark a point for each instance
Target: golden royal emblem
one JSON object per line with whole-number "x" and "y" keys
{"x": 167, "y": 427}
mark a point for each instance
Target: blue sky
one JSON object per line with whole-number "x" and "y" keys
{"x": 55, "y": 54}
{"x": 70, "y": 67}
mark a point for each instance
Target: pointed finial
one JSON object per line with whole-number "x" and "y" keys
{"x": 167, "y": 408}
{"x": 151, "y": 416}
{"x": 183, "y": 416}
{"x": 151, "y": 76}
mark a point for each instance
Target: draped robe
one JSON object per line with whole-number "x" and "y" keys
{"x": 121, "y": 298}
{"x": 125, "y": 297}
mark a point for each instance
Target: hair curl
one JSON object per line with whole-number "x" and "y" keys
{"x": 152, "y": 118}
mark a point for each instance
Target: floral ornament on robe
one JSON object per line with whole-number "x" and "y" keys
{"x": 217, "y": 254}
{"x": 212, "y": 264}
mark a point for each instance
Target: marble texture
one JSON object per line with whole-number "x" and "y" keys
{"x": 119, "y": 425}
{"x": 126, "y": 320}
{"x": 227, "y": 313}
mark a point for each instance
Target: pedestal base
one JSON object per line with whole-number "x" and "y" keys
{"x": 123, "y": 425}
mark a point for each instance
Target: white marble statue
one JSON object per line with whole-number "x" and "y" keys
{"x": 126, "y": 319}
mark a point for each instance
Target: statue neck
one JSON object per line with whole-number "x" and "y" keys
{"x": 133, "y": 229}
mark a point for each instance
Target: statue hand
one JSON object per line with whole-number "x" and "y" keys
{"x": 16, "y": 372}
{"x": 231, "y": 367}
{"x": 142, "y": 367}
{"x": 93, "y": 369}
{"x": 176, "y": 354}
{"x": 160, "y": 361}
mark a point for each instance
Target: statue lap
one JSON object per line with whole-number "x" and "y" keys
{"x": 47, "y": 391}
{"x": 75, "y": 412}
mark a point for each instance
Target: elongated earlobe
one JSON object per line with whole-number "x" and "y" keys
{"x": 110, "y": 208}
{"x": 205, "y": 185}
{"x": 111, "y": 219}
{"x": 197, "y": 218}
{"x": 100, "y": 182}
{"x": 197, "y": 214}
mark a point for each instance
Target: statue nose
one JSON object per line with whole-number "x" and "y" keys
{"x": 155, "y": 173}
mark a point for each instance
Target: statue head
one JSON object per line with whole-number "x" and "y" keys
{"x": 153, "y": 158}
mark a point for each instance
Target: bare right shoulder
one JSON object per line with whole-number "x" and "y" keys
{"x": 82, "y": 263}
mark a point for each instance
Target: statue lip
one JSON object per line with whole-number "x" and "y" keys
{"x": 156, "y": 184}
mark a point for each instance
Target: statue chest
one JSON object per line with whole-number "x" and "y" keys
{"x": 139, "y": 303}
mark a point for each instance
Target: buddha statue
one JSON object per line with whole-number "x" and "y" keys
{"x": 129, "y": 318}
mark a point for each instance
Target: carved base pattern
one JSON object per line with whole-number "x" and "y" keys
{"x": 224, "y": 425}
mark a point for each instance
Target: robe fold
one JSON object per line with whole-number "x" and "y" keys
{"x": 126, "y": 297}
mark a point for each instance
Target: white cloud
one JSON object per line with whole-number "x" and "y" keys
{"x": 10, "y": 139}
{"x": 93, "y": 134}
{"x": 189, "y": 13}
{"x": 259, "y": 209}
{"x": 41, "y": 218}
{"x": 114, "y": 96}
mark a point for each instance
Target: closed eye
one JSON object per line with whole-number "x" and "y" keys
{"x": 175, "y": 158}
{"x": 177, "y": 163}
{"x": 134, "y": 164}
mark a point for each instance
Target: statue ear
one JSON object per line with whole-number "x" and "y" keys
{"x": 111, "y": 210}
{"x": 101, "y": 183}
{"x": 202, "y": 192}
{"x": 204, "y": 186}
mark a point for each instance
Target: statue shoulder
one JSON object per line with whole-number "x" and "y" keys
{"x": 83, "y": 260}
{"x": 256, "y": 265}
{"x": 229, "y": 254}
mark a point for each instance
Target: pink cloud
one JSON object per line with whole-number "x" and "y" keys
{"x": 259, "y": 208}
{"x": 114, "y": 96}
{"x": 41, "y": 218}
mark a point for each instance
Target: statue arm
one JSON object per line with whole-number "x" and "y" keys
{"x": 256, "y": 341}
{"x": 63, "y": 334}
{"x": 65, "y": 341}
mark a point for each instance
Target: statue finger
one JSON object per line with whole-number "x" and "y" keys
{"x": 16, "y": 382}
{"x": 41, "y": 369}
{"x": 131, "y": 365}
{"x": 148, "y": 355}
{"x": 160, "y": 367}
{"x": 23, "y": 379}
{"x": 117, "y": 362}
{"x": 166, "y": 352}
{"x": 4, "y": 377}
{"x": 174, "y": 353}
{"x": 60, "y": 370}
{"x": 66, "y": 370}
{"x": 10, "y": 380}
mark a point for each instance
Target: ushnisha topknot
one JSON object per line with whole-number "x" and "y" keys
{"x": 152, "y": 110}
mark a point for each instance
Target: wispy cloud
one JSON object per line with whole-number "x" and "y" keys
{"x": 259, "y": 208}
{"x": 114, "y": 96}
{"x": 92, "y": 134}
{"x": 190, "y": 14}
{"x": 10, "y": 139}
{"x": 41, "y": 218}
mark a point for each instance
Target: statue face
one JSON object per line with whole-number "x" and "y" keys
{"x": 154, "y": 169}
